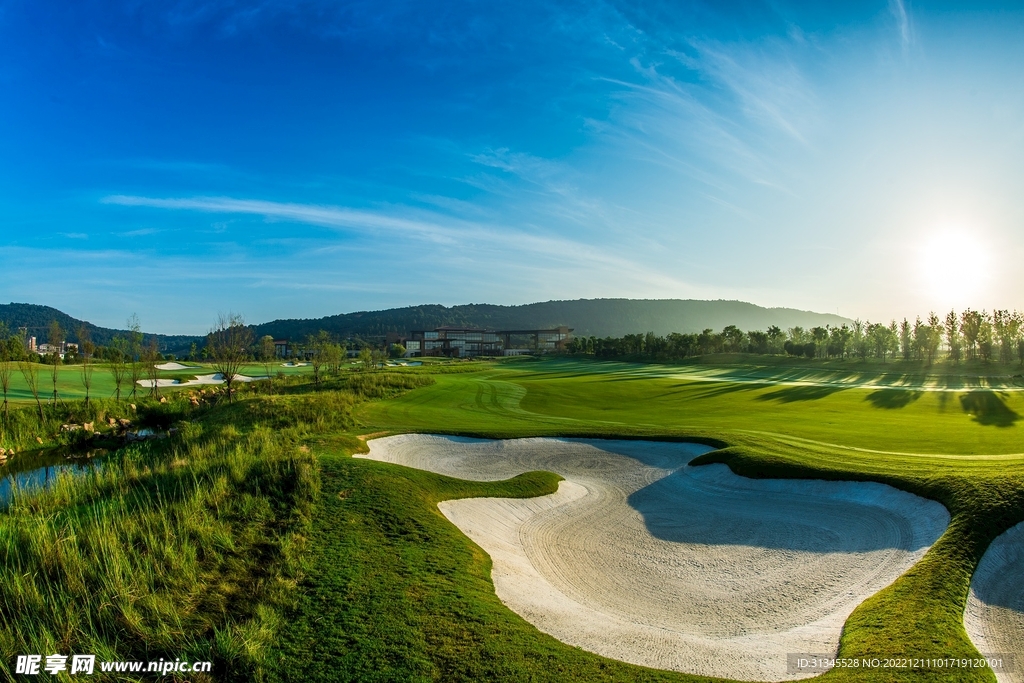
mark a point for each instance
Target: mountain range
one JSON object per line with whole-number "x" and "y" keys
{"x": 588, "y": 317}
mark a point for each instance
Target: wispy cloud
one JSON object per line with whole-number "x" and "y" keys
{"x": 141, "y": 232}
{"x": 899, "y": 13}
{"x": 489, "y": 242}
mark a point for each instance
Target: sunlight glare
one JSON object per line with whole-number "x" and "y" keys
{"x": 955, "y": 268}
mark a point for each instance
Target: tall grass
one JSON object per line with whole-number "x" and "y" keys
{"x": 181, "y": 553}
{"x": 185, "y": 547}
{"x": 22, "y": 429}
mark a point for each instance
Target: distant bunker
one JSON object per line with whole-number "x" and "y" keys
{"x": 640, "y": 557}
{"x": 213, "y": 379}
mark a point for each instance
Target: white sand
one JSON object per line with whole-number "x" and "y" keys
{"x": 177, "y": 366}
{"x": 994, "y": 617}
{"x": 642, "y": 558}
{"x": 216, "y": 378}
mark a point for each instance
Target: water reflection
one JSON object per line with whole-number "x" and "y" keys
{"x": 39, "y": 469}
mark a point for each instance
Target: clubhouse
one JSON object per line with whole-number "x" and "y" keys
{"x": 466, "y": 342}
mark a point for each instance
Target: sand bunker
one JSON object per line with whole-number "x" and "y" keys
{"x": 216, "y": 378}
{"x": 994, "y": 617}
{"x": 177, "y": 366}
{"x": 642, "y": 558}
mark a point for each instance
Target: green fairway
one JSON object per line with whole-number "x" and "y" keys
{"x": 588, "y": 397}
{"x": 960, "y": 447}
{"x": 69, "y": 380}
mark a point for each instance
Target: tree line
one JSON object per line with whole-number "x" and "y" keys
{"x": 969, "y": 335}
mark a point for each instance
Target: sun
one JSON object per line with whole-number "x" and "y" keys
{"x": 955, "y": 268}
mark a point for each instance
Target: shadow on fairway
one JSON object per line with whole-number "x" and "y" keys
{"x": 893, "y": 398}
{"x": 702, "y": 505}
{"x": 988, "y": 408}
{"x": 801, "y": 393}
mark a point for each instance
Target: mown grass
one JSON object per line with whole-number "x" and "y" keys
{"x": 923, "y": 445}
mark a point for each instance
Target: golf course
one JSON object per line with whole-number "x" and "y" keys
{"x": 539, "y": 519}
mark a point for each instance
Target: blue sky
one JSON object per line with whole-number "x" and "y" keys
{"x": 300, "y": 159}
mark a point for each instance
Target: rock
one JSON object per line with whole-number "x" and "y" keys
{"x": 125, "y": 422}
{"x": 70, "y": 428}
{"x": 132, "y": 406}
{"x": 163, "y": 399}
{"x": 111, "y": 421}
{"x": 39, "y": 439}
{"x": 89, "y": 427}
{"x": 3, "y": 452}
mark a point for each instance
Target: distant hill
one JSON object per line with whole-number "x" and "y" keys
{"x": 37, "y": 319}
{"x": 589, "y": 317}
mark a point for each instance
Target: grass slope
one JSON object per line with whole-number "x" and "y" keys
{"x": 396, "y": 593}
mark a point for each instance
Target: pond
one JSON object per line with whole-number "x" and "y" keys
{"x": 39, "y": 469}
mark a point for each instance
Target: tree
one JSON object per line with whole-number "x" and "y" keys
{"x": 733, "y": 338}
{"x": 335, "y": 356}
{"x": 397, "y": 350}
{"x": 906, "y": 342}
{"x": 933, "y": 336}
{"x": 134, "y": 360}
{"x": 229, "y": 344}
{"x": 86, "y": 349}
{"x": 1015, "y": 328}
{"x": 117, "y": 354}
{"x": 882, "y": 338}
{"x": 985, "y": 337}
{"x": 55, "y": 339}
{"x": 758, "y": 341}
{"x": 317, "y": 346}
{"x": 861, "y": 339}
{"x": 5, "y": 364}
{"x": 820, "y": 336}
{"x": 775, "y": 337}
{"x": 706, "y": 340}
{"x": 1006, "y": 326}
{"x": 953, "y": 339}
{"x": 366, "y": 358}
{"x": 970, "y": 326}
{"x": 30, "y": 372}
{"x": 267, "y": 353}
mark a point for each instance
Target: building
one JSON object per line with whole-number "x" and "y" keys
{"x": 281, "y": 349}
{"x": 465, "y": 342}
{"x": 457, "y": 342}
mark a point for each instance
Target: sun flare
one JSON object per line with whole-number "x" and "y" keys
{"x": 955, "y": 267}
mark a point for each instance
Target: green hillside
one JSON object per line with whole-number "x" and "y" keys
{"x": 588, "y": 317}
{"x": 37, "y": 320}
{"x": 597, "y": 317}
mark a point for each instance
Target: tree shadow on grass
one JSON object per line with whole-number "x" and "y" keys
{"x": 800, "y": 393}
{"x": 988, "y": 408}
{"x": 892, "y": 399}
